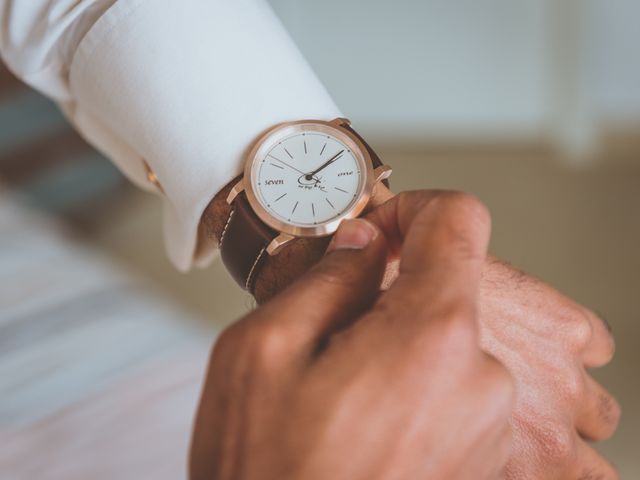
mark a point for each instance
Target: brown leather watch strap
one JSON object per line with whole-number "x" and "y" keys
{"x": 245, "y": 238}
{"x": 243, "y": 242}
{"x": 375, "y": 160}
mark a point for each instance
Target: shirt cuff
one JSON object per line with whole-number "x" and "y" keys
{"x": 187, "y": 87}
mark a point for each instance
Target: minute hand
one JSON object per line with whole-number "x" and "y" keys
{"x": 325, "y": 164}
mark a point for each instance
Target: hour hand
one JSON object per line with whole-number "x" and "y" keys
{"x": 310, "y": 175}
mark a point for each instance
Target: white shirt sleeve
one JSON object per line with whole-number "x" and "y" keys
{"x": 184, "y": 85}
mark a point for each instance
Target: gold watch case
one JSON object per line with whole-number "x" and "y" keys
{"x": 276, "y": 134}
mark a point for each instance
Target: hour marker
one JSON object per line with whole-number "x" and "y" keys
{"x": 323, "y": 147}
{"x": 305, "y": 147}
{"x": 313, "y": 210}
{"x": 280, "y": 167}
{"x": 284, "y": 194}
{"x": 330, "y": 203}
{"x": 285, "y": 149}
{"x": 294, "y": 207}
{"x": 340, "y": 190}
{"x": 275, "y": 158}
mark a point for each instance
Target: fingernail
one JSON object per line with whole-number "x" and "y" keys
{"x": 353, "y": 234}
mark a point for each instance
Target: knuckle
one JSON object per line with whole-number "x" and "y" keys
{"x": 603, "y": 333}
{"x": 466, "y": 219}
{"x": 609, "y": 410}
{"x": 409, "y": 200}
{"x": 581, "y": 331}
{"x": 577, "y": 330}
{"x": 558, "y": 445}
{"x": 553, "y": 441}
{"x": 267, "y": 345}
{"x": 251, "y": 344}
{"x": 466, "y": 206}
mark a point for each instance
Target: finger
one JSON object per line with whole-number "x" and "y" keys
{"x": 444, "y": 238}
{"x": 601, "y": 346}
{"x": 394, "y": 216}
{"x": 343, "y": 284}
{"x": 600, "y": 413}
{"x": 591, "y": 465}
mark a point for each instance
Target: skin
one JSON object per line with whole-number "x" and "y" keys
{"x": 545, "y": 340}
{"x": 342, "y": 392}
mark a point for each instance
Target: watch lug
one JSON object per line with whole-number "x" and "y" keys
{"x": 340, "y": 121}
{"x": 237, "y": 189}
{"x": 382, "y": 173}
{"x": 278, "y": 243}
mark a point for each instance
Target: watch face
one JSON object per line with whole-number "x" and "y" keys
{"x": 307, "y": 177}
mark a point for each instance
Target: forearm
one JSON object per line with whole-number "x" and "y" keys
{"x": 167, "y": 88}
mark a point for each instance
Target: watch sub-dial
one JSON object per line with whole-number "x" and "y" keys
{"x": 308, "y": 183}
{"x": 308, "y": 180}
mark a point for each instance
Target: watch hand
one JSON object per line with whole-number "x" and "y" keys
{"x": 305, "y": 175}
{"x": 325, "y": 164}
{"x": 290, "y": 166}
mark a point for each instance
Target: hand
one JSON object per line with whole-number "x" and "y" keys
{"x": 546, "y": 341}
{"x": 331, "y": 380}
{"x": 309, "y": 176}
{"x": 517, "y": 313}
{"x": 286, "y": 164}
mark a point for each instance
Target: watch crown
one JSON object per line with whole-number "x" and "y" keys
{"x": 382, "y": 173}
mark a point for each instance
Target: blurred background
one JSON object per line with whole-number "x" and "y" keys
{"x": 533, "y": 105}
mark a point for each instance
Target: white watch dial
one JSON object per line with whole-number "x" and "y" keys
{"x": 308, "y": 179}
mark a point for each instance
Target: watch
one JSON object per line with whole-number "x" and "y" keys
{"x": 301, "y": 179}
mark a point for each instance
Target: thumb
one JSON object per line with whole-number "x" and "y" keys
{"x": 341, "y": 286}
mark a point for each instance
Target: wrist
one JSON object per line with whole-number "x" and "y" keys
{"x": 278, "y": 271}
{"x": 216, "y": 214}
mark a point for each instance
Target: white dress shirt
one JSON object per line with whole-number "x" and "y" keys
{"x": 184, "y": 85}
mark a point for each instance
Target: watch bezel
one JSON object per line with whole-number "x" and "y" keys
{"x": 285, "y": 130}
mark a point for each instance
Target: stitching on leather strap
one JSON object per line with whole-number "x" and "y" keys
{"x": 253, "y": 267}
{"x": 226, "y": 225}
